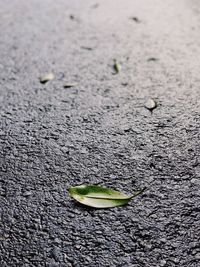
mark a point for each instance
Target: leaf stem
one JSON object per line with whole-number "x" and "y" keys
{"x": 139, "y": 192}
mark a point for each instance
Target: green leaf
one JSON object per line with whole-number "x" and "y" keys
{"x": 150, "y": 104}
{"x": 100, "y": 197}
{"x": 117, "y": 67}
{"x": 47, "y": 77}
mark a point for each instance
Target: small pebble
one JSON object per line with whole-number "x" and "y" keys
{"x": 150, "y": 104}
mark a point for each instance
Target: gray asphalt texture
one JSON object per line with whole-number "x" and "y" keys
{"x": 99, "y": 132}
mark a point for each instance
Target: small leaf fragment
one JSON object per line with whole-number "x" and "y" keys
{"x": 72, "y": 17}
{"x": 87, "y": 48}
{"x": 47, "y": 77}
{"x": 100, "y": 197}
{"x": 124, "y": 83}
{"x": 152, "y": 59}
{"x": 150, "y": 104}
{"x": 117, "y": 67}
{"x": 69, "y": 85}
{"x": 136, "y": 19}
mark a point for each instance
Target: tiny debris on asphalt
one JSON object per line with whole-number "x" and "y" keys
{"x": 99, "y": 132}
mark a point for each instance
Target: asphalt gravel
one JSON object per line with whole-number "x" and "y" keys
{"x": 99, "y": 132}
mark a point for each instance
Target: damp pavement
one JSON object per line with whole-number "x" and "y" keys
{"x": 99, "y": 132}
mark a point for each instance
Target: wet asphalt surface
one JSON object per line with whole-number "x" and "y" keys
{"x": 99, "y": 132}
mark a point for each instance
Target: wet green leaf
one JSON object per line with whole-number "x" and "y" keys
{"x": 150, "y": 104}
{"x": 100, "y": 197}
{"x": 47, "y": 77}
{"x": 117, "y": 67}
{"x": 69, "y": 85}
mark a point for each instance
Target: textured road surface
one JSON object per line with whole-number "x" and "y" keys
{"x": 99, "y": 132}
